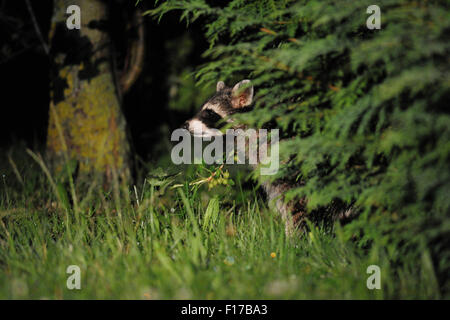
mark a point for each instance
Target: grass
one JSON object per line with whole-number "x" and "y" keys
{"x": 159, "y": 242}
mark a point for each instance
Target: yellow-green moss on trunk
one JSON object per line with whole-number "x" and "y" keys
{"x": 85, "y": 120}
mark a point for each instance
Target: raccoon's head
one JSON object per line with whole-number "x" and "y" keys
{"x": 225, "y": 102}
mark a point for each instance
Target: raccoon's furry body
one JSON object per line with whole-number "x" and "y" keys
{"x": 221, "y": 106}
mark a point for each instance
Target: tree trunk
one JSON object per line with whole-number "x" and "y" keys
{"x": 85, "y": 121}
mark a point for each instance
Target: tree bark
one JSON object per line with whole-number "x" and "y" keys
{"x": 86, "y": 123}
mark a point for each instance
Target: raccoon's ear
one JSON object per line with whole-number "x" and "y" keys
{"x": 242, "y": 94}
{"x": 220, "y": 86}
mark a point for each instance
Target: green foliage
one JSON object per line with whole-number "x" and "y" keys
{"x": 178, "y": 243}
{"x": 366, "y": 109}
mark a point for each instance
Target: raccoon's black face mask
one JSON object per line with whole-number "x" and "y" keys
{"x": 216, "y": 111}
{"x": 210, "y": 118}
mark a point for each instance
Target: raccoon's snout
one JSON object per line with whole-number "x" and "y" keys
{"x": 197, "y": 128}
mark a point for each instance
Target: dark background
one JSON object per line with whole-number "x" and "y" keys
{"x": 172, "y": 51}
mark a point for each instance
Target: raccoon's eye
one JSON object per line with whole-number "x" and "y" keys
{"x": 210, "y": 118}
{"x": 208, "y": 113}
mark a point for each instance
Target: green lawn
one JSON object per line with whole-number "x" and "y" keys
{"x": 160, "y": 242}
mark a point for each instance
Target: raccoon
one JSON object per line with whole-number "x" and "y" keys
{"x": 218, "y": 111}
